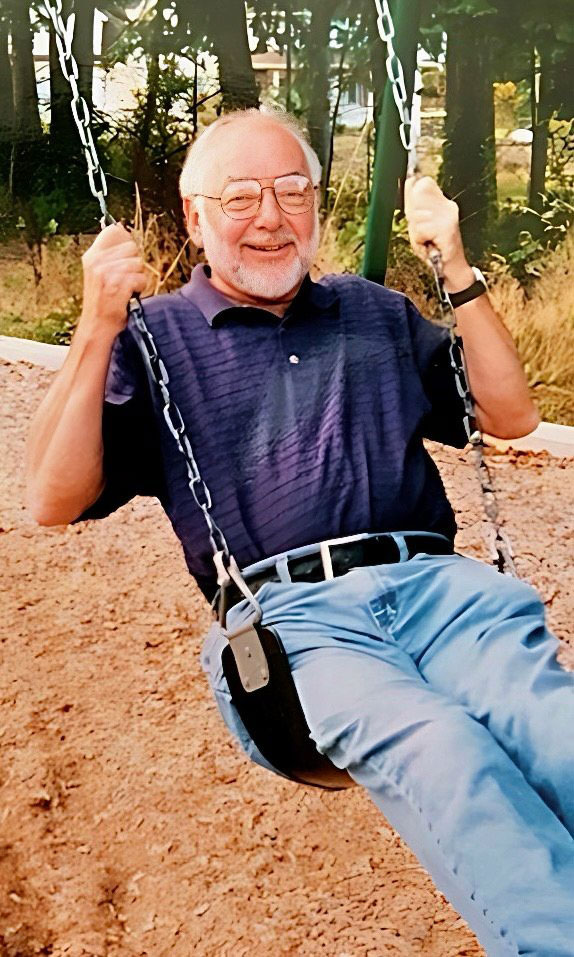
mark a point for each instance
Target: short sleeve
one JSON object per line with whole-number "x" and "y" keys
{"x": 431, "y": 343}
{"x": 132, "y": 453}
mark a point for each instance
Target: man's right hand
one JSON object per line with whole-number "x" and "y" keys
{"x": 113, "y": 271}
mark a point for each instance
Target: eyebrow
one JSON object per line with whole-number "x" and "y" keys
{"x": 241, "y": 179}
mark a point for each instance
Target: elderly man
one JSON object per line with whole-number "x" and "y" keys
{"x": 426, "y": 675}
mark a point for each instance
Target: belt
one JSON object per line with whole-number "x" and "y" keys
{"x": 334, "y": 560}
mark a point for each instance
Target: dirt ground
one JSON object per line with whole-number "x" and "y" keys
{"x": 131, "y": 823}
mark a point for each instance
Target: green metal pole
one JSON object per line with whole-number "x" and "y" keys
{"x": 390, "y": 161}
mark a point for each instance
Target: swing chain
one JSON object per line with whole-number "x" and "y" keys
{"x": 396, "y": 75}
{"x": 158, "y": 372}
{"x": 501, "y": 548}
{"x": 500, "y": 544}
{"x": 176, "y": 426}
{"x": 80, "y": 111}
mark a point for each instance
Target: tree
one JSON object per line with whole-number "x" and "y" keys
{"x": 227, "y": 25}
{"x": 6, "y": 99}
{"x": 469, "y": 159}
{"x": 27, "y": 125}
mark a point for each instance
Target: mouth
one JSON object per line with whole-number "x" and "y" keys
{"x": 269, "y": 249}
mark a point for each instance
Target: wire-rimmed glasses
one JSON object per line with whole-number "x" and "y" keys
{"x": 241, "y": 198}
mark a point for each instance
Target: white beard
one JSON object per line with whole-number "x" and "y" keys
{"x": 268, "y": 280}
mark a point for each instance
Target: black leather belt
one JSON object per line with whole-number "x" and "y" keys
{"x": 376, "y": 550}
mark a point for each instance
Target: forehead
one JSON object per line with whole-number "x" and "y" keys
{"x": 253, "y": 148}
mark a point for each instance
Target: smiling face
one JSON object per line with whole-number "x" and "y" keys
{"x": 262, "y": 260}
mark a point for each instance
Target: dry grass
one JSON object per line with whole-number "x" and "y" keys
{"x": 168, "y": 260}
{"x": 48, "y": 310}
{"x": 542, "y": 323}
{"x": 542, "y": 326}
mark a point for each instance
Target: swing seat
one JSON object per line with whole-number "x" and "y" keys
{"x": 272, "y": 712}
{"x": 275, "y": 721}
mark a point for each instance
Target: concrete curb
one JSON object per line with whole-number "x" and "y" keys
{"x": 556, "y": 439}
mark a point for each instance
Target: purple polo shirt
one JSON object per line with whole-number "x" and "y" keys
{"x": 305, "y": 428}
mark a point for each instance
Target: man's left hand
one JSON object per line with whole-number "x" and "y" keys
{"x": 433, "y": 221}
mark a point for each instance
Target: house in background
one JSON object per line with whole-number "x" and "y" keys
{"x": 114, "y": 88}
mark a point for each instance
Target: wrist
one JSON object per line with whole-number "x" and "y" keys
{"x": 458, "y": 276}
{"x": 91, "y": 332}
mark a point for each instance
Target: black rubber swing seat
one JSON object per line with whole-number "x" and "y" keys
{"x": 274, "y": 718}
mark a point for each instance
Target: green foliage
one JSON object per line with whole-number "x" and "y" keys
{"x": 524, "y": 238}
{"x": 349, "y": 220}
{"x": 55, "y": 327}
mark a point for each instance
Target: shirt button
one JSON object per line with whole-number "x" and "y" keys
{"x": 294, "y": 360}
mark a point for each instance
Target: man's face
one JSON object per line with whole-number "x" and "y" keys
{"x": 243, "y": 264}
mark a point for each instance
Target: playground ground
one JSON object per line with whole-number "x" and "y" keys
{"x": 131, "y": 824}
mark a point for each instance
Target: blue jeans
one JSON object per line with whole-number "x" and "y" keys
{"x": 434, "y": 682}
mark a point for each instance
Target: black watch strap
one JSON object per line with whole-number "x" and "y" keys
{"x": 476, "y": 289}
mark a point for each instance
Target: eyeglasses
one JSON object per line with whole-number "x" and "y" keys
{"x": 241, "y": 199}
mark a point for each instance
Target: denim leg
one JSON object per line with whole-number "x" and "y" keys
{"x": 486, "y": 837}
{"x": 494, "y": 655}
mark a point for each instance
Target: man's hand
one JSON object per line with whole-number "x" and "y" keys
{"x": 433, "y": 221}
{"x": 113, "y": 271}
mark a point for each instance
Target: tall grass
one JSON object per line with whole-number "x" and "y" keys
{"x": 542, "y": 325}
{"x": 541, "y": 321}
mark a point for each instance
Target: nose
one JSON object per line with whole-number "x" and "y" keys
{"x": 269, "y": 215}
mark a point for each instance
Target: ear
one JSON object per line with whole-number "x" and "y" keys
{"x": 192, "y": 221}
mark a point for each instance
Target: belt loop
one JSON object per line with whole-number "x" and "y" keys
{"x": 282, "y": 566}
{"x": 402, "y": 546}
{"x": 327, "y": 561}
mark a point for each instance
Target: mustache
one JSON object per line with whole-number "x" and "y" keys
{"x": 274, "y": 240}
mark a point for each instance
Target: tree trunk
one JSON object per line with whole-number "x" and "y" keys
{"x": 27, "y": 126}
{"x": 541, "y": 113}
{"x": 318, "y": 60}
{"x": 469, "y": 158}
{"x": 340, "y": 81}
{"x": 390, "y": 162}
{"x": 141, "y": 169}
{"x": 288, "y": 55}
{"x": 236, "y": 75}
{"x": 83, "y": 48}
{"x": 62, "y": 127}
{"x": 6, "y": 103}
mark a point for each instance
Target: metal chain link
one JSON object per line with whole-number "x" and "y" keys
{"x": 500, "y": 544}
{"x": 176, "y": 426}
{"x": 396, "y": 76}
{"x": 502, "y": 555}
{"x": 64, "y": 36}
{"x": 158, "y": 372}
{"x": 174, "y": 420}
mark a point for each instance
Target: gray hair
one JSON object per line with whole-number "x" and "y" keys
{"x": 198, "y": 155}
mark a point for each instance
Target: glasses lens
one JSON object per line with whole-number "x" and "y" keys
{"x": 240, "y": 200}
{"x": 295, "y": 194}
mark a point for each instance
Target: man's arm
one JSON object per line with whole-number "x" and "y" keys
{"x": 64, "y": 454}
{"x": 497, "y": 380}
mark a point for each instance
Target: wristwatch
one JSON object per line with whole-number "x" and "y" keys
{"x": 477, "y": 288}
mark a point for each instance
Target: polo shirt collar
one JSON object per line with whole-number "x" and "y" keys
{"x": 213, "y": 304}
